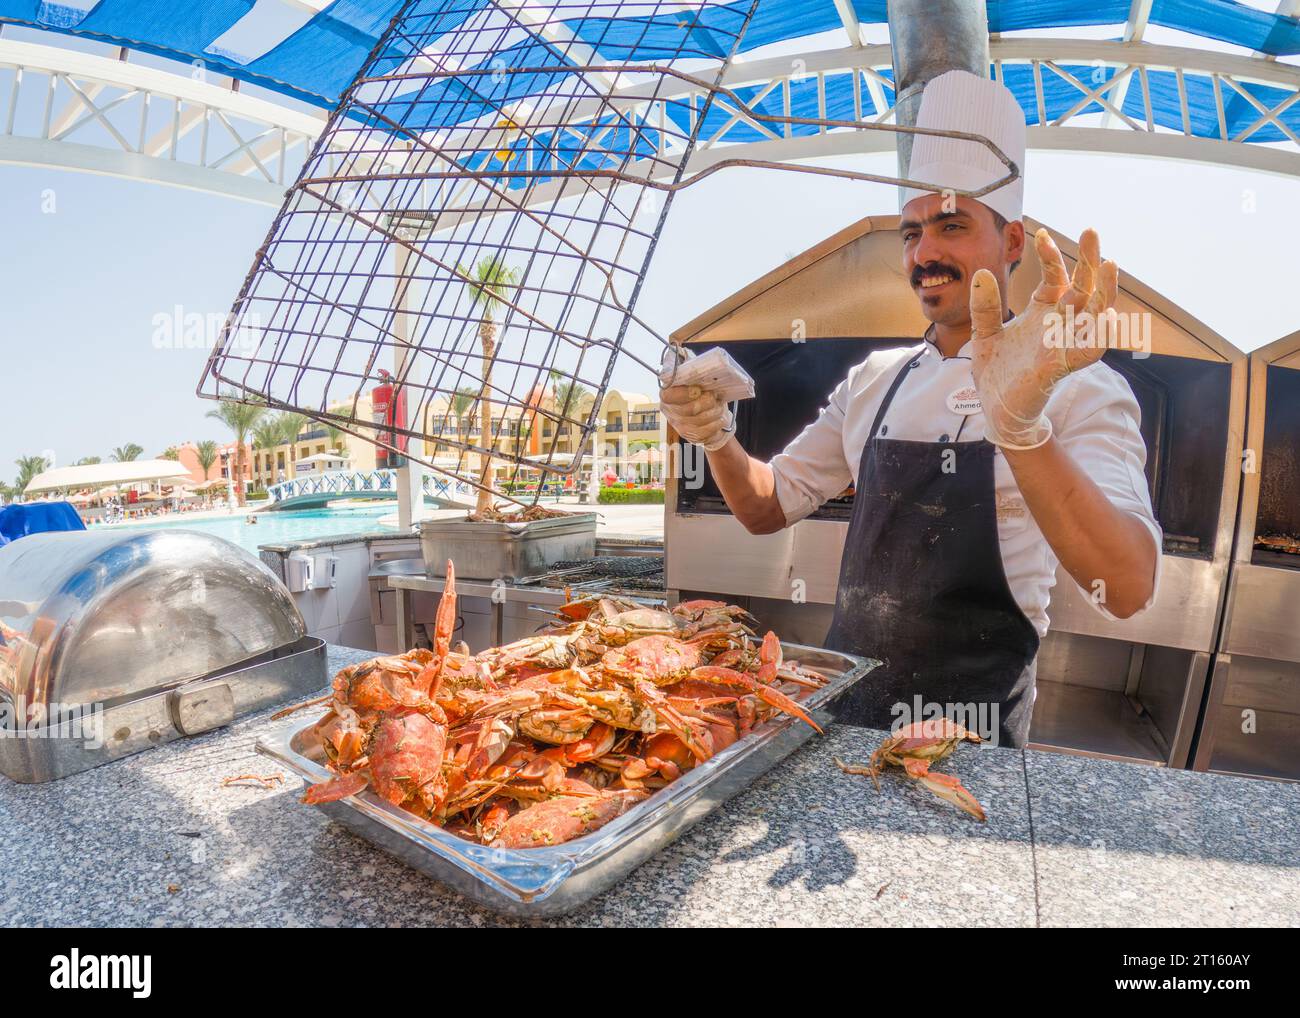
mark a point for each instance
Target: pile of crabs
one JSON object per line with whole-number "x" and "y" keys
{"x": 549, "y": 738}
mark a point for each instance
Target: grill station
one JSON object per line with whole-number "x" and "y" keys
{"x": 1132, "y": 689}
{"x": 606, "y": 574}
{"x": 1251, "y": 723}
{"x": 1123, "y": 689}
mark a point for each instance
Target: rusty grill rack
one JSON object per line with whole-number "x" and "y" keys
{"x": 475, "y": 224}
{"x": 613, "y": 573}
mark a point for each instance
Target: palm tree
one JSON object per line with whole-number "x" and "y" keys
{"x": 170, "y": 453}
{"x": 28, "y": 467}
{"x": 491, "y": 285}
{"x": 525, "y": 432}
{"x": 290, "y": 426}
{"x": 127, "y": 453}
{"x": 335, "y": 434}
{"x": 87, "y": 461}
{"x": 206, "y": 453}
{"x": 568, "y": 392}
{"x": 272, "y": 432}
{"x": 266, "y": 436}
{"x": 266, "y": 433}
{"x": 240, "y": 418}
{"x": 462, "y": 406}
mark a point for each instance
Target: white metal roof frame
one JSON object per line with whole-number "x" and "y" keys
{"x": 220, "y": 141}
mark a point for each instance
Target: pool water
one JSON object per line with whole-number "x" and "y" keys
{"x": 277, "y": 528}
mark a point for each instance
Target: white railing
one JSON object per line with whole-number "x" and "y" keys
{"x": 1118, "y": 75}
{"x": 60, "y": 107}
{"x": 364, "y": 483}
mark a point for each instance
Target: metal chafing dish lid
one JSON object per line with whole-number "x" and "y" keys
{"x": 107, "y": 617}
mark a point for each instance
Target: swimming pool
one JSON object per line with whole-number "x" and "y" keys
{"x": 276, "y": 528}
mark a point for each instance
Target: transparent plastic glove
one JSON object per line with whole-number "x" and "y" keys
{"x": 699, "y": 415}
{"x": 695, "y": 391}
{"x": 1066, "y": 326}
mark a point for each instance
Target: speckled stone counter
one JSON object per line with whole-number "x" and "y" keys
{"x": 157, "y": 839}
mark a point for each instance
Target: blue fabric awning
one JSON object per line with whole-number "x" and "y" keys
{"x": 317, "y": 61}
{"x": 314, "y": 64}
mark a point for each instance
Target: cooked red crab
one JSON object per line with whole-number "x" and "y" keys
{"x": 549, "y": 738}
{"x": 658, "y": 659}
{"x": 564, "y": 818}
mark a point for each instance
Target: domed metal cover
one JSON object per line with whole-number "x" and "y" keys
{"x": 103, "y": 617}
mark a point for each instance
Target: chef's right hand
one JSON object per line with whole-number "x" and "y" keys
{"x": 697, "y": 415}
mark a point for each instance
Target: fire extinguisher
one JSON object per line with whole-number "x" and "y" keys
{"x": 388, "y": 402}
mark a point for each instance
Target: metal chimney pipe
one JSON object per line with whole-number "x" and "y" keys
{"x": 929, "y": 37}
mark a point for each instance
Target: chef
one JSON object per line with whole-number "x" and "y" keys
{"x": 996, "y": 446}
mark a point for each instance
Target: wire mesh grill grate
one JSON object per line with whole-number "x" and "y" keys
{"x": 475, "y": 222}
{"x": 474, "y": 225}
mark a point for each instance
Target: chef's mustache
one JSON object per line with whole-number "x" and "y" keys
{"x": 933, "y": 269}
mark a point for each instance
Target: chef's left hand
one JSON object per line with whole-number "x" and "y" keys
{"x": 1017, "y": 364}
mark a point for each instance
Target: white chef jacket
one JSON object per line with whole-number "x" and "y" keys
{"x": 1093, "y": 413}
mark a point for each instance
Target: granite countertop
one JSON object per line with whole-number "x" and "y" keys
{"x": 157, "y": 840}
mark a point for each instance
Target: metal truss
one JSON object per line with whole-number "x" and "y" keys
{"x": 83, "y": 112}
{"x": 79, "y": 111}
{"x": 862, "y": 75}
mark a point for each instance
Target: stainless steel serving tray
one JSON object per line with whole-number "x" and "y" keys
{"x": 557, "y": 879}
{"x": 487, "y": 551}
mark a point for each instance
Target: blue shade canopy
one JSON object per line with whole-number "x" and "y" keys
{"x": 313, "y": 57}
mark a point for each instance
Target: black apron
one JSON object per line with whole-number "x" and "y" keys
{"x": 923, "y": 589}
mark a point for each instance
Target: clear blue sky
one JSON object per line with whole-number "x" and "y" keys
{"x": 80, "y": 286}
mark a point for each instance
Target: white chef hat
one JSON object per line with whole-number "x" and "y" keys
{"x": 961, "y": 101}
